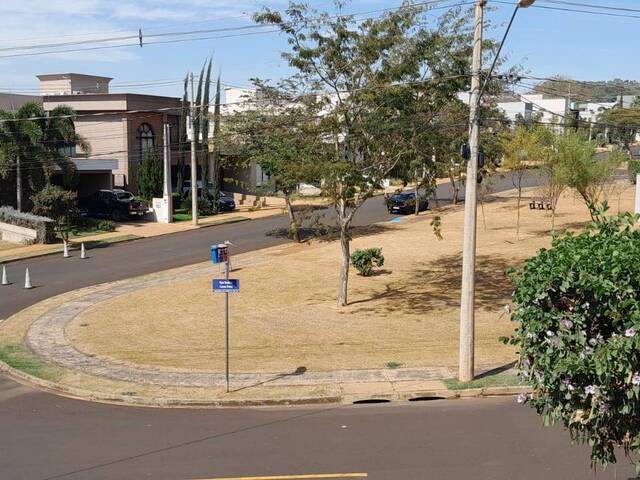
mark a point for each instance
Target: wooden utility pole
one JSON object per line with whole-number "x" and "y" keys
{"x": 467, "y": 300}
{"x": 194, "y": 166}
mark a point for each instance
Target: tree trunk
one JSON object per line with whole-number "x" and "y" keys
{"x": 293, "y": 221}
{"x": 435, "y": 195}
{"x": 454, "y": 189}
{"x": 518, "y": 215}
{"x": 18, "y": 184}
{"x": 346, "y": 257}
{"x": 344, "y": 270}
{"x": 417, "y": 209}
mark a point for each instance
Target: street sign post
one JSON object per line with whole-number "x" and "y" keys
{"x": 220, "y": 254}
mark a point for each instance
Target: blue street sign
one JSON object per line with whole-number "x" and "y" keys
{"x": 225, "y": 286}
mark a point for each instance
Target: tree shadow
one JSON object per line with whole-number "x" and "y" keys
{"x": 436, "y": 284}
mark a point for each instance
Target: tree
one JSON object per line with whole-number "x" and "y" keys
{"x": 151, "y": 176}
{"x": 522, "y": 150}
{"x": 624, "y": 125}
{"x": 356, "y": 65}
{"x": 215, "y": 154}
{"x": 34, "y": 146}
{"x": 577, "y": 167}
{"x": 57, "y": 204}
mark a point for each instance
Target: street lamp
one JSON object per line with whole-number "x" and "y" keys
{"x": 467, "y": 297}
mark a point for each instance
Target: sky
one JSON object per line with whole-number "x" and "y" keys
{"x": 544, "y": 42}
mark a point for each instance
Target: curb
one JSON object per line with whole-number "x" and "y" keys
{"x": 138, "y": 401}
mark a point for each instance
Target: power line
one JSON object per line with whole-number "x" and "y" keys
{"x": 139, "y": 39}
{"x": 574, "y": 10}
{"x": 591, "y": 5}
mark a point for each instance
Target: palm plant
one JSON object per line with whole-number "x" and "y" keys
{"x": 32, "y": 145}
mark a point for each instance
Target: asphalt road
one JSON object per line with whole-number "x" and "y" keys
{"x": 46, "y": 437}
{"x": 53, "y": 274}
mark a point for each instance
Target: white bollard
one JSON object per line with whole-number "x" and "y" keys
{"x": 27, "y": 279}
{"x": 66, "y": 250}
{"x": 83, "y": 253}
{"x": 5, "y": 280}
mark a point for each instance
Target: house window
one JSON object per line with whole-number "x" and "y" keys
{"x": 145, "y": 135}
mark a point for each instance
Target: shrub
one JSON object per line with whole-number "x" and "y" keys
{"x": 577, "y": 306}
{"x": 365, "y": 260}
{"x": 57, "y": 204}
{"x": 88, "y": 223}
{"x": 205, "y": 206}
{"x": 43, "y": 226}
{"x": 634, "y": 169}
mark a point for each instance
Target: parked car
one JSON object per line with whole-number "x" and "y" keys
{"x": 115, "y": 204}
{"x": 405, "y": 202}
{"x": 226, "y": 203}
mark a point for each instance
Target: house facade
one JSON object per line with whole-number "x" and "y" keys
{"x": 121, "y": 128}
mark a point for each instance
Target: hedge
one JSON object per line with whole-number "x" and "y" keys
{"x": 42, "y": 225}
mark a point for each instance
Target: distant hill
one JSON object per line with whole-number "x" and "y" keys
{"x": 598, "y": 91}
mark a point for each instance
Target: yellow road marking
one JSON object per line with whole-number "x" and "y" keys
{"x": 297, "y": 477}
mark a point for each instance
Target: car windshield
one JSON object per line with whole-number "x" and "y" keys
{"x": 403, "y": 196}
{"x": 124, "y": 195}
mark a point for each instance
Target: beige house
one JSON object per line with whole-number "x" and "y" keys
{"x": 120, "y": 127}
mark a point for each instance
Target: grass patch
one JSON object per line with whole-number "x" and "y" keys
{"x": 107, "y": 241}
{"x": 18, "y": 357}
{"x": 484, "y": 382}
{"x": 181, "y": 215}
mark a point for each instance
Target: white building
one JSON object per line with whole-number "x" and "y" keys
{"x": 552, "y": 109}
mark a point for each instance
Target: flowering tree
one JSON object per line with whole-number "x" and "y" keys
{"x": 578, "y": 314}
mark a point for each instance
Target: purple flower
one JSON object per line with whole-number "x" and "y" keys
{"x": 567, "y": 383}
{"x": 526, "y": 363}
{"x": 590, "y": 390}
{"x": 604, "y": 408}
{"x": 566, "y": 323}
{"x": 630, "y": 332}
{"x": 635, "y": 380}
{"x": 521, "y": 398}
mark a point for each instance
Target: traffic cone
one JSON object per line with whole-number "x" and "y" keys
{"x": 27, "y": 280}
{"x": 83, "y": 253}
{"x": 66, "y": 250}
{"x": 5, "y": 281}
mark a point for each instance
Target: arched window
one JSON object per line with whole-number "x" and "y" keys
{"x": 145, "y": 135}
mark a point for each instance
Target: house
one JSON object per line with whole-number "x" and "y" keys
{"x": 120, "y": 127}
{"x": 11, "y": 102}
{"x": 552, "y": 109}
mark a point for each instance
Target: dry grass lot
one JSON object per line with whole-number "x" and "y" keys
{"x": 286, "y": 316}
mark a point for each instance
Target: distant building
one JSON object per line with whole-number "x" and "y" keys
{"x": 551, "y": 109}
{"x": 12, "y": 101}
{"x": 120, "y": 127}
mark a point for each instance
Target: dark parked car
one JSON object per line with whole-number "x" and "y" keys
{"x": 226, "y": 203}
{"x": 115, "y": 204}
{"x": 405, "y": 202}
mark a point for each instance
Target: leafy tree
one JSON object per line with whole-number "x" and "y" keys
{"x": 39, "y": 141}
{"x": 357, "y": 66}
{"x": 577, "y": 308}
{"x": 624, "y": 125}
{"x": 57, "y": 204}
{"x": 522, "y": 150}
{"x": 577, "y": 167}
{"x": 151, "y": 176}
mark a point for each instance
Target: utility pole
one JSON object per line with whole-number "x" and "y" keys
{"x": 467, "y": 297}
{"x": 194, "y": 167}
{"x": 167, "y": 190}
{"x": 467, "y": 300}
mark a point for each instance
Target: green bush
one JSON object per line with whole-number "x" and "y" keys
{"x": 43, "y": 226}
{"x": 634, "y": 169}
{"x": 59, "y": 205}
{"x": 205, "y": 206}
{"x": 577, "y": 306}
{"x": 88, "y": 223}
{"x": 365, "y": 260}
